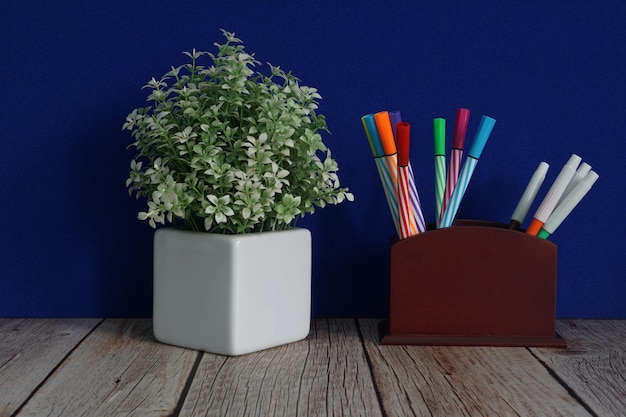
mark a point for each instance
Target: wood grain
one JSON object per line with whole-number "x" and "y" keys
{"x": 464, "y": 381}
{"x": 114, "y": 367}
{"x": 29, "y": 350}
{"x": 594, "y": 365}
{"x": 119, "y": 370}
{"x": 324, "y": 375}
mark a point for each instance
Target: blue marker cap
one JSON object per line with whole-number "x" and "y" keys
{"x": 373, "y": 131}
{"x": 482, "y": 134}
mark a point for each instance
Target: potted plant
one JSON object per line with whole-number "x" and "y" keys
{"x": 230, "y": 158}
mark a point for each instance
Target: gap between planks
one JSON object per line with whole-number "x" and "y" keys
{"x": 31, "y": 350}
{"x": 464, "y": 381}
{"x": 114, "y": 367}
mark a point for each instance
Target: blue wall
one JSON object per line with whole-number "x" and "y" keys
{"x": 551, "y": 73}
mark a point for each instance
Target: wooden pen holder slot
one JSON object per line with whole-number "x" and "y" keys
{"x": 476, "y": 283}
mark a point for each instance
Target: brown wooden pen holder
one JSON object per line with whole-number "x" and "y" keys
{"x": 476, "y": 283}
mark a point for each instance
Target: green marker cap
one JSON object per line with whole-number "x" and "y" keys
{"x": 543, "y": 234}
{"x": 439, "y": 126}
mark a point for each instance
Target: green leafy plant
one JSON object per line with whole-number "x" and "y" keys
{"x": 226, "y": 149}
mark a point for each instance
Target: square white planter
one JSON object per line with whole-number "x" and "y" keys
{"x": 231, "y": 294}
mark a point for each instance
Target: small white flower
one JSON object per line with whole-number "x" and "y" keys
{"x": 219, "y": 208}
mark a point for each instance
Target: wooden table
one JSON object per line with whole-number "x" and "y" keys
{"x": 114, "y": 367}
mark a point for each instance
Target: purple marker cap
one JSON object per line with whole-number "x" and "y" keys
{"x": 395, "y": 118}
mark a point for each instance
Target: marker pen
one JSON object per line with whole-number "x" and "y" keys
{"x": 554, "y": 194}
{"x": 383, "y": 124}
{"x": 387, "y": 170}
{"x": 529, "y": 196}
{"x": 568, "y": 204}
{"x": 484, "y": 130}
{"x": 408, "y": 226}
{"x": 581, "y": 172}
{"x": 439, "y": 128}
{"x": 456, "y": 155}
{"x": 372, "y": 135}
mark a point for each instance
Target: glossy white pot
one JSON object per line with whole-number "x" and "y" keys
{"x": 231, "y": 294}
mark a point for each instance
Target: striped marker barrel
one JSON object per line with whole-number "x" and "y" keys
{"x": 416, "y": 205}
{"x": 408, "y": 225}
{"x": 387, "y": 167}
{"x": 387, "y": 170}
{"x": 440, "y": 186}
{"x": 459, "y": 192}
{"x": 453, "y": 175}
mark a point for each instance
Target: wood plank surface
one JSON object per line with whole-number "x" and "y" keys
{"x": 594, "y": 365}
{"x": 29, "y": 350}
{"x": 119, "y": 370}
{"x": 464, "y": 381}
{"x": 324, "y": 375}
{"x": 114, "y": 367}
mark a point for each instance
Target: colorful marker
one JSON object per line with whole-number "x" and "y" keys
{"x": 554, "y": 194}
{"x": 529, "y": 196}
{"x": 386, "y": 170}
{"x": 372, "y": 135}
{"x": 456, "y": 155}
{"x": 385, "y": 131}
{"x": 390, "y": 158}
{"x": 408, "y": 224}
{"x": 439, "y": 127}
{"x": 482, "y": 135}
{"x": 568, "y": 204}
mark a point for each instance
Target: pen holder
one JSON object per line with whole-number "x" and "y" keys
{"x": 476, "y": 283}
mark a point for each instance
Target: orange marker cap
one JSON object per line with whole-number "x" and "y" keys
{"x": 534, "y": 227}
{"x": 383, "y": 124}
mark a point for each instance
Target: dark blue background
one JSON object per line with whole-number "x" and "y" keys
{"x": 551, "y": 73}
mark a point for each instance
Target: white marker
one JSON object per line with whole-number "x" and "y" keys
{"x": 568, "y": 204}
{"x": 529, "y": 196}
{"x": 554, "y": 194}
{"x": 581, "y": 172}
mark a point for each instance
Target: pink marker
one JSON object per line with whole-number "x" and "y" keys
{"x": 456, "y": 155}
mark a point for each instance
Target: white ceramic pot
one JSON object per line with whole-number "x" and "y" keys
{"x": 231, "y": 294}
